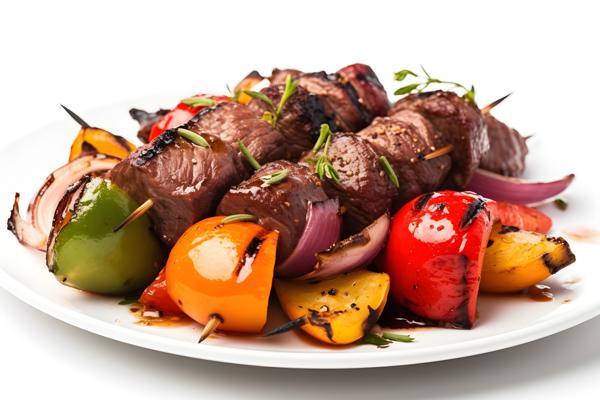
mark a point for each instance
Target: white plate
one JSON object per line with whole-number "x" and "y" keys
{"x": 503, "y": 321}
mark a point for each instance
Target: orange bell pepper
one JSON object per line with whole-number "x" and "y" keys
{"x": 223, "y": 269}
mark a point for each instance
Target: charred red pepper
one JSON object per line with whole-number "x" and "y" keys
{"x": 435, "y": 253}
{"x": 156, "y": 296}
{"x": 182, "y": 113}
{"x": 520, "y": 216}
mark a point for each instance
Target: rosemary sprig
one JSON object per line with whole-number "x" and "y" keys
{"x": 396, "y": 337}
{"x": 385, "y": 339}
{"x": 274, "y": 178}
{"x": 239, "y": 218}
{"x": 198, "y": 102}
{"x": 251, "y": 160}
{"x": 387, "y": 167}
{"x": 273, "y": 114}
{"x": 427, "y": 80}
{"x": 323, "y": 166}
{"x": 193, "y": 137}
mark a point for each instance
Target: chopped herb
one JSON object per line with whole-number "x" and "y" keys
{"x": 323, "y": 166}
{"x": 198, "y": 102}
{"x": 427, "y": 80}
{"x": 129, "y": 300}
{"x": 274, "y": 178}
{"x": 273, "y": 114}
{"x": 376, "y": 340}
{"x": 239, "y": 218}
{"x": 387, "y": 167}
{"x": 251, "y": 160}
{"x": 561, "y": 204}
{"x": 397, "y": 337}
{"x": 323, "y": 135}
{"x": 193, "y": 137}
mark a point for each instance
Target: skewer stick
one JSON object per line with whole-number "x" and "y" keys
{"x": 138, "y": 212}
{"x": 494, "y": 103}
{"x": 213, "y": 322}
{"x": 439, "y": 152}
{"x": 288, "y": 326}
{"x": 76, "y": 117}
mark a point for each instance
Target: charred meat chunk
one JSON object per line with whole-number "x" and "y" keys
{"x": 232, "y": 122}
{"x": 301, "y": 118}
{"x": 508, "y": 149}
{"x": 185, "y": 181}
{"x": 365, "y": 191}
{"x": 281, "y": 206}
{"x": 459, "y": 122}
{"x": 403, "y": 139}
{"x": 371, "y": 93}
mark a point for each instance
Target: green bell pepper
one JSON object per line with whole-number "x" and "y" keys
{"x": 88, "y": 255}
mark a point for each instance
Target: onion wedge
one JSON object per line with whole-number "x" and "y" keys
{"x": 355, "y": 251}
{"x": 514, "y": 190}
{"x": 322, "y": 230}
{"x": 35, "y": 231}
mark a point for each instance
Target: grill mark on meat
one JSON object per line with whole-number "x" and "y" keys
{"x": 156, "y": 147}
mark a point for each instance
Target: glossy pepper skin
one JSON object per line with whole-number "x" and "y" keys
{"x": 224, "y": 269}
{"x": 435, "y": 254}
{"x": 86, "y": 254}
{"x": 181, "y": 114}
{"x": 156, "y": 296}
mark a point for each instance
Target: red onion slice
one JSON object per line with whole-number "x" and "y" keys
{"x": 322, "y": 230}
{"x": 356, "y": 251}
{"x": 516, "y": 191}
{"x": 41, "y": 210}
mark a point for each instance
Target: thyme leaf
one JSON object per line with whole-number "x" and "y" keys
{"x": 387, "y": 167}
{"x": 251, "y": 160}
{"x": 274, "y": 178}
{"x": 193, "y": 137}
{"x": 198, "y": 102}
{"x": 426, "y": 80}
{"x": 239, "y": 218}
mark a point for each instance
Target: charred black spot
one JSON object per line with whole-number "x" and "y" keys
{"x": 425, "y": 95}
{"x": 179, "y": 302}
{"x": 508, "y": 229}
{"x": 353, "y": 305}
{"x": 555, "y": 264}
{"x": 423, "y": 200}
{"x": 250, "y": 253}
{"x": 202, "y": 113}
{"x": 440, "y": 206}
{"x": 157, "y": 146}
{"x": 87, "y": 148}
{"x": 472, "y": 211}
{"x": 490, "y": 243}
{"x": 332, "y": 292}
{"x": 315, "y": 319}
{"x": 370, "y": 320}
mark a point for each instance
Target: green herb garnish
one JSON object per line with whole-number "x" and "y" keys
{"x": 251, "y": 160}
{"x": 192, "y": 137}
{"x": 273, "y": 114}
{"x": 397, "y": 337}
{"x": 323, "y": 166}
{"x": 561, "y": 204}
{"x": 129, "y": 300}
{"x": 239, "y": 218}
{"x": 387, "y": 167}
{"x": 323, "y": 135}
{"x": 385, "y": 339}
{"x": 198, "y": 102}
{"x": 427, "y": 80}
{"x": 274, "y": 178}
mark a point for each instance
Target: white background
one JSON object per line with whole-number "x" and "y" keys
{"x": 86, "y": 55}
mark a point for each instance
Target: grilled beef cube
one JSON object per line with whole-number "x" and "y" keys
{"x": 507, "y": 151}
{"x": 278, "y": 76}
{"x": 371, "y": 93}
{"x": 403, "y": 139}
{"x": 300, "y": 120}
{"x": 146, "y": 120}
{"x": 232, "y": 122}
{"x": 339, "y": 98}
{"x": 185, "y": 181}
{"x": 459, "y": 122}
{"x": 281, "y": 206}
{"x": 364, "y": 191}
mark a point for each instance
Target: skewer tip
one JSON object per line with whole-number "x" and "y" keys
{"x": 494, "y": 103}
{"x": 76, "y": 117}
{"x": 288, "y": 326}
{"x": 214, "y": 320}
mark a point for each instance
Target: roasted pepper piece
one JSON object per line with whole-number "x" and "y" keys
{"x": 516, "y": 259}
{"x": 156, "y": 296}
{"x": 339, "y": 310}
{"x": 223, "y": 269}
{"x": 96, "y": 140}
{"x": 85, "y": 253}
{"x": 521, "y": 216}
{"x": 435, "y": 253}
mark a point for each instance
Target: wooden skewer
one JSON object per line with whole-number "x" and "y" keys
{"x": 138, "y": 212}
{"x": 213, "y": 322}
{"x": 76, "y": 117}
{"x": 439, "y": 152}
{"x": 494, "y": 103}
{"x": 288, "y": 326}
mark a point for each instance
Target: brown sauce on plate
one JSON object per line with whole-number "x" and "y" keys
{"x": 143, "y": 317}
{"x": 541, "y": 293}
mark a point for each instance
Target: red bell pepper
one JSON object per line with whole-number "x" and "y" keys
{"x": 523, "y": 217}
{"x": 155, "y": 296}
{"x": 181, "y": 114}
{"x": 435, "y": 253}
